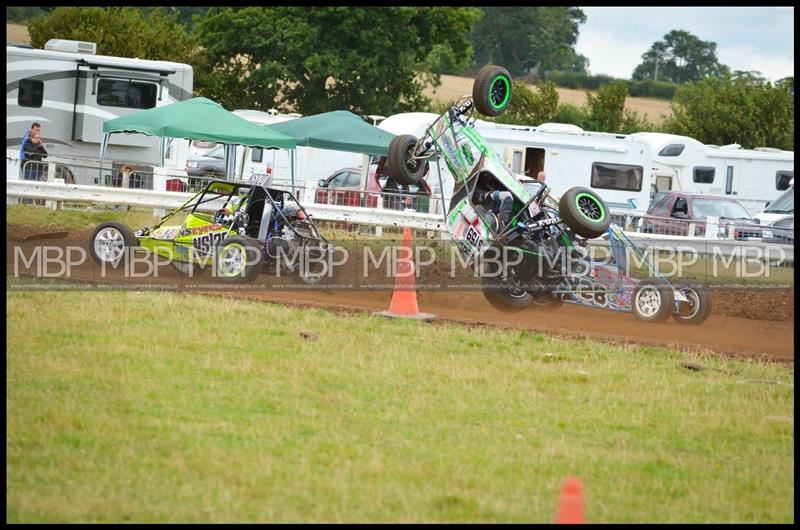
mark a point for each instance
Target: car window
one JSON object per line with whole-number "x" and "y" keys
{"x": 680, "y": 205}
{"x": 716, "y": 208}
{"x": 783, "y": 204}
{"x": 353, "y": 180}
{"x": 217, "y": 152}
{"x": 338, "y": 180}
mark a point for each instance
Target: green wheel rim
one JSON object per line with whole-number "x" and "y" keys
{"x": 494, "y": 88}
{"x": 590, "y": 207}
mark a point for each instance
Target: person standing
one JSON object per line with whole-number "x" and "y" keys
{"x": 33, "y": 152}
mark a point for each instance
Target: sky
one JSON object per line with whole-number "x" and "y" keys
{"x": 747, "y": 38}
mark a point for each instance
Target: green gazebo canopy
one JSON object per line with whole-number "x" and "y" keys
{"x": 339, "y": 130}
{"x": 199, "y": 119}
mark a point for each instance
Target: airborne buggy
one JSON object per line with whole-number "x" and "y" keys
{"x": 253, "y": 227}
{"x": 525, "y": 248}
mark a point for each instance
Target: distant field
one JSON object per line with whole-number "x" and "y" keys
{"x": 17, "y": 33}
{"x": 453, "y": 87}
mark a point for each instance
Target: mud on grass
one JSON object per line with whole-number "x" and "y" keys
{"x": 171, "y": 407}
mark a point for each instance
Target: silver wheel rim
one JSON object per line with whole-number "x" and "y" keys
{"x": 648, "y": 301}
{"x": 109, "y": 245}
{"x": 232, "y": 261}
{"x": 694, "y": 303}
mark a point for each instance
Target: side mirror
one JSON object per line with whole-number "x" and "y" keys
{"x": 322, "y": 183}
{"x": 680, "y": 215}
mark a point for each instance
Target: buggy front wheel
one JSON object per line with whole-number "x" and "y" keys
{"x": 404, "y": 168}
{"x": 236, "y": 260}
{"x": 584, "y": 212}
{"x": 653, "y": 300}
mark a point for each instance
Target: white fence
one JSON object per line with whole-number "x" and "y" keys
{"x": 61, "y": 191}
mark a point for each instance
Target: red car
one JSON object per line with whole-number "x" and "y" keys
{"x": 673, "y": 213}
{"x": 344, "y": 188}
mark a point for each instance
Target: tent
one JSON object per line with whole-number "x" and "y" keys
{"x": 196, "y": 119}
{"x": 339, "y": 130}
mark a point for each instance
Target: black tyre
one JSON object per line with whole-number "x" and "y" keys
{"x": 584, "y": 212}
{"x": 502, "y": 292}
{"x": 236, "y": 260}
{"x": 111, "y": 244}
{"x": 491, "y": 91}
{"x": 698, "y": 309}
{"x": 402, "y": 167}
{"x": 652, "y": 300}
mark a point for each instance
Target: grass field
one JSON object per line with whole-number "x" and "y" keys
{"x": 171, "y": 407}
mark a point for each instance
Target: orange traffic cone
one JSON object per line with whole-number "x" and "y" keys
{"x": 570, "y": 506}
{"x": 404, "y": 297}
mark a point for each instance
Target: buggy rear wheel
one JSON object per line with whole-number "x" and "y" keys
{"x": 584, "y": 212}
{"x": 402, "y": 166}
{"x": 491, "y": 91}
{"x": 697, "y": 309}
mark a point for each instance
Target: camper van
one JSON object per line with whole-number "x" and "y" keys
{"x": 753, "y": 177}
{"x": 71, "y": 91}
{"x": 617, "y": 168}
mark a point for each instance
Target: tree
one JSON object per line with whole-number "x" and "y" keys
{"x": 319, "y": 59}
{"x": 121, "y": 31}
{"x": 531, "y": 107}
{"x": 747, "y": 111}
{"x": 680, "y": 57}
{"x": 606, "y": 109}
{"x": 529, "y": 39}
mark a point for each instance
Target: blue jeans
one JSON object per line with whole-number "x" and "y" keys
{"x": 502, "y": 201}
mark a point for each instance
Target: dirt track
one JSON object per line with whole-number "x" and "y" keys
{"x": 721, "y": 333}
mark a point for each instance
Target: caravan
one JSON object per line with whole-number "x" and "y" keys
{"x": 615, "y": 167}
{"x": 754, "y": 177}
{"x": 71, "y": 91}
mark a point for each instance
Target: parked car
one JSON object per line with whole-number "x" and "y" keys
{"x": 344, "y": 188}
{"x": 673, "y": 213}
{"x": 781, "y": 232}
{"x": 211, "y": 164}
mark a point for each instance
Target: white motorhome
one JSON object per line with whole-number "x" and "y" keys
{"x": 754, "y": 177}
{"x": 71, "y": 91}
{"x": 615, "y": 167}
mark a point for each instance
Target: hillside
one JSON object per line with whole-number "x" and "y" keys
{"x": 453, "y": 87}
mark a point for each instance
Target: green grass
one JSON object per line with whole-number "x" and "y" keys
{"x": 23, "y": 214}
{"x": 170, "y": 407}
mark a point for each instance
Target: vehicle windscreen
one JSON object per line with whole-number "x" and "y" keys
{"x": 718, "y": 208}
{"x": 783, "y": 204}
{"x": 203, "y": 144}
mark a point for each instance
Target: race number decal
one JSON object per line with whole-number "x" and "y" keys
{"x": 474, "y": 238}
{"x": 205, "y": 243}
